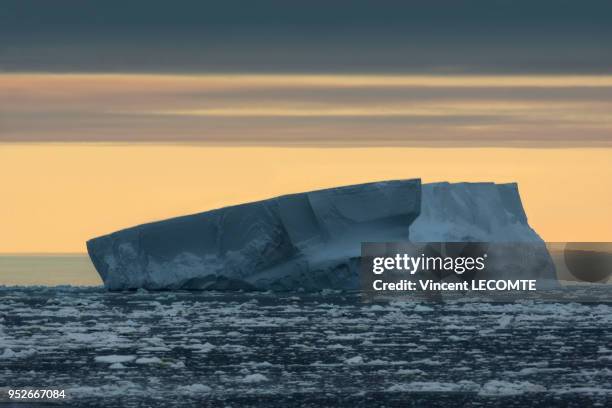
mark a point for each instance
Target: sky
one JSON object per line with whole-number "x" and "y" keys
{"x": 429, "y": 36}
{"x": 116, "y": 113}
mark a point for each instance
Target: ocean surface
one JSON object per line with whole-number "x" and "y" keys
{"x": 48, "y": 270}
{"x": 168, "y": 349}
{"x": 323, "y": 349}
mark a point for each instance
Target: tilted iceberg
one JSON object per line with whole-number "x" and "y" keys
{"x": 308, "y": 241}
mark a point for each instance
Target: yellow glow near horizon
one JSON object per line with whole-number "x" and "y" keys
{"x": 56, "y": 196}
{"x": 325, "y": 80}
{"x": 577, "y": 111}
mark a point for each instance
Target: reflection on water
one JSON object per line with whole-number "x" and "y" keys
{"x": 50, "y": 269}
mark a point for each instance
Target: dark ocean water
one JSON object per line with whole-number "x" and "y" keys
{"x": 325, "y": 349}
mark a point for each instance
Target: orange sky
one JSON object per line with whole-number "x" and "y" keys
{"x": 86, "y": 154}
{"x": 56, "y": 196}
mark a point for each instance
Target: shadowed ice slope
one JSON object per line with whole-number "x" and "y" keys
{"x": 307, "y": 240}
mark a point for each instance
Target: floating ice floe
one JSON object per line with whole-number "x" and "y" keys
{"x": 194, "y": 389}
{"x": 114, "y": 359}
{"x": 507, "y": 388}
{"x": 254, "y": 378}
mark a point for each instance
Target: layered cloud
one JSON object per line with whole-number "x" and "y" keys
{"x": 309, "y": 110}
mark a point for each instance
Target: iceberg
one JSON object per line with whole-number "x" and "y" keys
{"x": 484, "y": 218}
{"x": 312, "y": 241}
{"x": 308, "y": 241}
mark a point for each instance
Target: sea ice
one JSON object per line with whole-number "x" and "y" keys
{"x": 254, "y": 378}
{"x": 111, "y": 359}
{"x": 507, "y": 388}
{"x": 194, "y": 389}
